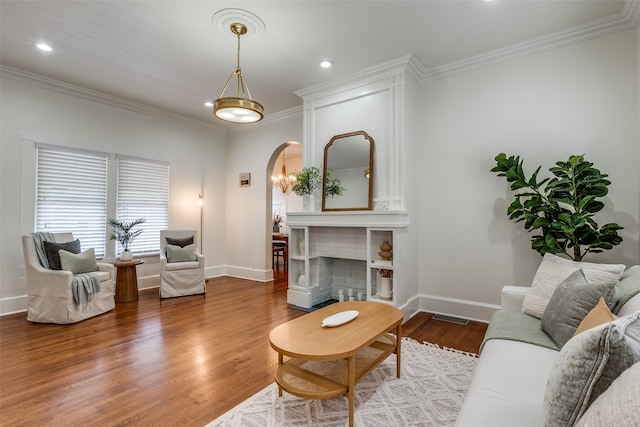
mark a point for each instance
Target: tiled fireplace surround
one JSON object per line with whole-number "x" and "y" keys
{"x": 342, "y": 261}
{"x": 341, "y": 245}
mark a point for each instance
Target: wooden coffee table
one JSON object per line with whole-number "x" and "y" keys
{"x": 328, "y": 362}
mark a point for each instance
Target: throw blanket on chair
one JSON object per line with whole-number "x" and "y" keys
{"x": 83, "y": 285}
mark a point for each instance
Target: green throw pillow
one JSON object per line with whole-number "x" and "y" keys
{"x": 177, "y": 254}
{"x": 572, "y": 300}
{"x": 84, "y": 262}
{"x": 586, "y": 367}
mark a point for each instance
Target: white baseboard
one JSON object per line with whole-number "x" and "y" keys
{"x": 248, "y": 273}
{"x": 13, "y": 305}
{"x": 472, "y": 310}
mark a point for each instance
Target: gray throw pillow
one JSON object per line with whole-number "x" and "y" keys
{"x": 619, "y": 405}
{"x": 586, "y": 367}
{"x": 177, "y": 254}
{"x": 84, "y": 262}
{"x": 572, "y": 300}
{"x": 51, "y": 250}
{"x": 180, "y": 241}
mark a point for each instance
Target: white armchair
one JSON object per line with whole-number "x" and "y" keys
{"x": 50, "y": 294}
{"x": 182, "y": 277}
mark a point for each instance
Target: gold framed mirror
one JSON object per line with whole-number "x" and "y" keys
{"x": 348, "y": 164}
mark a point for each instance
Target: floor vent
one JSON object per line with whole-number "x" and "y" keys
{"x": 450, "y": 319}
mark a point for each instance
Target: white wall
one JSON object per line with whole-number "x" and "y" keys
{"x": 253, "y": 149}
{"x": 196, "y": 156}
{"x": 579, "y": 99}
{"x": 576, "y": 99}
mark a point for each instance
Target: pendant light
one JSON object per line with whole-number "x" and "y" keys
{"x": 241, "y": 108}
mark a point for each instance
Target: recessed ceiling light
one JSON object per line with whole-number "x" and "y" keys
{"x": 208, "y": 104}
{"x": 325, "y": 63}
{"x": 43, "y": 46}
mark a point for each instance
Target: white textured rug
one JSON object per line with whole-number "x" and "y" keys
{"x": 430, "y": 392}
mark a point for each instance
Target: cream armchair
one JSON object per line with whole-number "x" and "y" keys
{"x": 49, "y": 292}
{"x": 183, "y": 277}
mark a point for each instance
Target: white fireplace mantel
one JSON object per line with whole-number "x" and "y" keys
{"x": 394, "y": 219}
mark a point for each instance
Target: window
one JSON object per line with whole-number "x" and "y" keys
{"x": 143, "y": 192}
{"x": 71, "y": 194}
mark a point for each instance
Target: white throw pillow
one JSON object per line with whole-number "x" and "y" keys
{"x": 553, "y": 270}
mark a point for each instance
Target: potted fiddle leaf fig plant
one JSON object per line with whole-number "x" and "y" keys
{"x": 561, "y": 209}
{"x": 124, "y": 233}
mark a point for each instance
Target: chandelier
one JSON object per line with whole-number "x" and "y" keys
{"x": 283, "y": 180}
{"x": 241, "y": 108}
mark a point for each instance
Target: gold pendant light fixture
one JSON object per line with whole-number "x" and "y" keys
{"x": 240, "y": 108}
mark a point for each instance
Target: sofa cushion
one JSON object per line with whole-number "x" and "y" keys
{"x": 51, "y": 250}
{"x": 508, "y": 386}
{"x": 571, "y": 301}
{"x": 553, "y": 270}
{"x": 587, "y": 366}
{"x": 597, "y": 316}
{"x": 619, "y": 405}
{"x": 176, "y": 253}
{"x": 628, "y": 287}
{"x": 84, "y": 262}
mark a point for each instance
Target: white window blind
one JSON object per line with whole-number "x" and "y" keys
{"x": 71, "y": 194}
{"x": 143, "y": 192}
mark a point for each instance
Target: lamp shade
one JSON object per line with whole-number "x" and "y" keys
{"x": 238, "y": 110}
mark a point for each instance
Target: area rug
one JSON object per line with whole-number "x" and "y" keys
{"x": 430, "y": 392}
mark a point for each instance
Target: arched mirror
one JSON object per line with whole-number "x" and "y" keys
{"x": 347, "y": 176}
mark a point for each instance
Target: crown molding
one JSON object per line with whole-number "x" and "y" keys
{"x": 407, "y": 62}
{"x": 626, "y": 20}
{"x": 268, "y": 119}
{"x": 93, "y": 95}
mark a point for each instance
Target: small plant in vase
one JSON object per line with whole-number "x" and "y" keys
{"x": 277, "y": 219}
{"x": 124, "y": 233}
{"x": 307, "y": 181}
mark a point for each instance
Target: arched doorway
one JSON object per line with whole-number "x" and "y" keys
{"x": 285, "y": 160}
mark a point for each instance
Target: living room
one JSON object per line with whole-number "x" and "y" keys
{"x": 571, "y": 93}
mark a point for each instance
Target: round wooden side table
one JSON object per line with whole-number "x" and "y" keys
{"x": 127, "y": 280}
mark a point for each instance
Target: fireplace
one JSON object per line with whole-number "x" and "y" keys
{"x": 333, "y": 251}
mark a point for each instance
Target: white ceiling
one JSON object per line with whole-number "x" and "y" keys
{"x": 168, "y": 55}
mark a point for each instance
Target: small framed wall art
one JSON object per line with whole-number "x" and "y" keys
{"x": 245, "y": 179}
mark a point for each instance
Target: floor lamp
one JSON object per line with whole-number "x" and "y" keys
{"x": 200, "y": 204}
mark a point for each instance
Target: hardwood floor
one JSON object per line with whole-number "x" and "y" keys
{"x": 180, "y": 361}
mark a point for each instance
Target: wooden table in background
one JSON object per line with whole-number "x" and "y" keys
{"x": 127, "y": 280}
{"x": 363, "y": 342}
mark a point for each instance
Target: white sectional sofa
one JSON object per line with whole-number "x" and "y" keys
{"x": 511, "y": 378}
